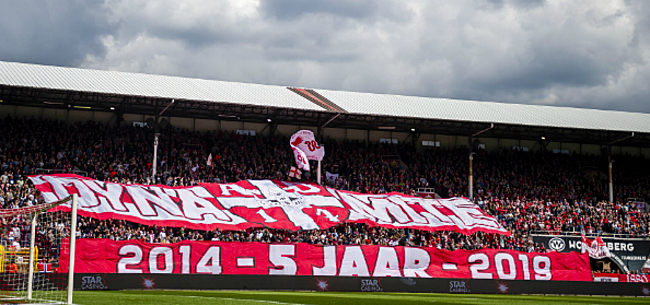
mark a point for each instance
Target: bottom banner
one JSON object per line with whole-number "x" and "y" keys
{"x": 102, "y": 281}
{"x": 108, "y": 256}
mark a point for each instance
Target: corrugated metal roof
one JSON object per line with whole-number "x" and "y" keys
{"x": 137, "y": 84}
{"x": 488, "y": 112}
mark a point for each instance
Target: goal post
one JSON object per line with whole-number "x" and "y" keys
{"x": 31, "y": 242}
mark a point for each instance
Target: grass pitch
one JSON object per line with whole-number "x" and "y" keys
{"x": 162, "y": 297}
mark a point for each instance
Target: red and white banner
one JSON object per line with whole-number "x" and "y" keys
{"x": 597, "y": 248}
{"x": 632, "y": 278}
{"x": 301, "y": 158}
{"x": 108, "y": 256}
{"x": 306, "y": 142}
{"x": 606, "y": 277}
{"x": 262, "y": 203}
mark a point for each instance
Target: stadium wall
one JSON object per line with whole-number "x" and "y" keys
{"x": 194, "y": 124}
{"x": 95, "y": 281}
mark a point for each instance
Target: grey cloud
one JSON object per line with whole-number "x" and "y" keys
{"x": 580, "y": 54}
{"x": 51, "y": 32}
{"x": 355, "y": 9}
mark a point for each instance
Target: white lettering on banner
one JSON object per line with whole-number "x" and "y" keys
{"x": 354, "y": 263}
{"x": 480, "y": 263}
{"x": 397, "y": 211}
{"x": 209, "y": 262}
{"x": 62, "y": 187}
{"x": 291, "y": 203}
{"x": 145, "y": 199}
{"x": 499, "y": 259}
{"x": 279, "y": 257}
{"x": 476, "y": 270}
{"x": 195, "y": 206}
{"x": 185, "y": 251}
{"x": 124, "y": 262}
{"x": 524, "y": 266}
{"x": 167, "y": 254}
{"x": 469, "y": 215}
{"x": 253, "y": 203}
{"x": 637, "y": 278}
{"x": 329, "y": 262}
{"x": 302, "y": 188}
{"x": 330, "y": 217}
{"x": 387, "y": 263}
{"x": 416, "y": 262}
{"x": 376, "y": 209}
{"x": 542, "y": 267}
{"x": 108, "y": 193}
{"x": 612, "y": 246}
{"x": 190, "y": 257}
{"x": 227, "y": 188}
{"x": 433, "y": 214}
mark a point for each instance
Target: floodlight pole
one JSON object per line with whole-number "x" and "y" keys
{"x": 155, "y": 144}
{"x": 471, "y": 161}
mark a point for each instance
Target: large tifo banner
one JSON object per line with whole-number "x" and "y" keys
{"x": 108, "y": 256}
{"x": 262, "y": 203}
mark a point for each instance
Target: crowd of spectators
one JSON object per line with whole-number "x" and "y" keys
{"x": 527, "y": 191}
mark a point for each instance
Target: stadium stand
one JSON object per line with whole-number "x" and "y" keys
{"x": 545, "y": 190}
{"x": 527, "y": 191}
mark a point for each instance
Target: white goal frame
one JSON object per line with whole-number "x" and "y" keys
{"x": 34, "y": 212}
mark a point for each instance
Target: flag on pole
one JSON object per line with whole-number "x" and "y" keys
{"x": 305, "y": 141}
{"x": 301, "y": 158}
{"x": 597, "y": 248}
{"x": 210, "y": 160}
{"x": 295, "y": 173}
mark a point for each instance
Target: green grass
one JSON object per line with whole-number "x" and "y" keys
{"x": 162, "y": 297}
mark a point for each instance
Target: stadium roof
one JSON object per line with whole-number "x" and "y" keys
{"x": 146, "y": 85}
{"x": 488, "y": 112}
{"x": 59, "y": 87}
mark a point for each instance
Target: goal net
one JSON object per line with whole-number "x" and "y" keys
{"x": 31, "y": 241}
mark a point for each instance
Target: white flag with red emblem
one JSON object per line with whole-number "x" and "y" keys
{"x": 597, "y": 248}
{"x": 295, "y": 173}
{"x": 210, "y": 160}
{"x": 301, "y": 158}
{"x": 305, "y": 141}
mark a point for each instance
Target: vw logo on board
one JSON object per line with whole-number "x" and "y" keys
{"x": 556, "y": 244}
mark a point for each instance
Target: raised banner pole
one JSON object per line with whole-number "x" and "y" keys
{"x": 471, "y": 178}
{"x": 318, "y": 174}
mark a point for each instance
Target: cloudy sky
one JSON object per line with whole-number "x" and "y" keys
{"x": 580, "y": 53}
